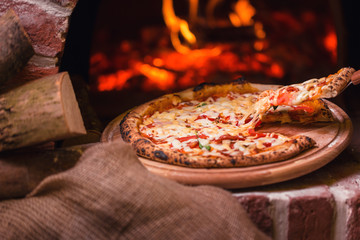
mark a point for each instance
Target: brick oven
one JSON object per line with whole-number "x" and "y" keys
{"x": 120, "y": 54}
{"x": 115, "y": 58}
{"x": 133, "y": 58}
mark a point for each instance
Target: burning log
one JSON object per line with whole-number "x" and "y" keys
{"x": 22, "y": 170}
{"x": 42, "y": 110}
{"x": 16, "y": 49}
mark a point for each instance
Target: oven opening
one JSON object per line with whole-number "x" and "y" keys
{"x": 144, "y": 49}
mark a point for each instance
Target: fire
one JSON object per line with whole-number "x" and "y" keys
{"x": 156, "y": 78}
{"x": 178, "y": 27}
{"x": 168, "y": 69}
{"x": 259, "y": 30}
{"x": 188, "y": 60}
{"x": 243, "y": 14}
{"x": 197, "y": 59}
{"x": 114, "y": 81}
{"x": 330, "y": 43}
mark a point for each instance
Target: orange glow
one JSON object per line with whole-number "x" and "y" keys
{"x": 193, "y": 10}
{"x": 188, "y": 79}
{"x": 183, "y": 65}
{"x": 259, "y": 45}
{"x": 243, "y": 13}
{"x": 156, "y": 78}
{"x": 330, "y": 43}
{"x": 276, "y": 71}
{"x": 167, "y": 70}
{"x": 158, "y": 62}
{"x": 262, "y": 58}
{"x": 114, "y": 81}
{"x": 195, "y": 59}
{"x": 259, "y": 30}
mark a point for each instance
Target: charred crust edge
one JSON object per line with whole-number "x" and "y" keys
{"x": 240, "y": 80}
{"x": 124, "y": 128}
{"x": 123, "y": 120}
{"x": 201, "y": 86}
{"x": 160, "y": 155}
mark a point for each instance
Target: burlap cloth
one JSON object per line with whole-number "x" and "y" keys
{"x": 108, "y": 194}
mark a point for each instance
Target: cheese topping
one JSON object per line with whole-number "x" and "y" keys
{"x": 210, "y": 128}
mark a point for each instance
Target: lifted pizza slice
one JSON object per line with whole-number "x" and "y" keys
{"x": 297, "y": 94}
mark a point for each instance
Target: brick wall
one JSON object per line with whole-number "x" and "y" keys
{"x": 46, "y": 22}
{"x": 321, "y": 205}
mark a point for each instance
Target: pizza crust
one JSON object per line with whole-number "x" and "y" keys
{"x": 338, "y": 83}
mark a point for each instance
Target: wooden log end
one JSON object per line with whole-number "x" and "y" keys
{"x": 72, "y": 112}
{"x": 40, "y": 111}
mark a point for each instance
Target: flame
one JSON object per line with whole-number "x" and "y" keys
{"x": 187, "y": 66}
{"x": 259, "y": 30}
{"x": 243, "y": 14}
{"x": 276, "y": 70}
{"x": 330, "y": 43}
{"x": 177, "y": 27}
{"x": 195, "y": 59}
{"x": 158, "y": 62}
{"x": 167, "y": 70}
{"x": 156, "y": 78}
{"x": 114, "y": 81}
{"x": 193, "y": 10}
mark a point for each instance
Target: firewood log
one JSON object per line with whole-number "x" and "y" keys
{"x": 39, "y": 111}
{"x": 22, "y": 170}
{"x": 15, "y": 46}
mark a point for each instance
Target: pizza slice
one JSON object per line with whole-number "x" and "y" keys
{"x": 299, "y": 94}
{"x": 307, "y": 112}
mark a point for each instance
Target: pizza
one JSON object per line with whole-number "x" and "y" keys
{"x": 297, "y": 94}
{"x": 216, "y": 125}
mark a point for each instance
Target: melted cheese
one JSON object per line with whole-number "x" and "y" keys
{"x": 210, "y": 128}
{"x": 295, "y": 94}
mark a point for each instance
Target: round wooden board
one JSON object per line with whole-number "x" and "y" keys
{"x": 331, "y": 138}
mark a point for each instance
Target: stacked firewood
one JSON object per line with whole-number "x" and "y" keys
{"x": 31, "y": 114}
